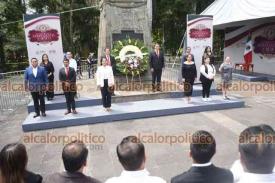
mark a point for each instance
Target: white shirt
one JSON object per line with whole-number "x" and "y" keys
{"x": 141, "y": 176}
{"x": 211, "y": 71}
{"x": 257, "y": 178}
{"x": 238, "y": 171}
{"x": 202, "y": 165}
{"x": 34, "y": 71}
{"x": 105, "y": 72}
{"x": 73, "y": 64}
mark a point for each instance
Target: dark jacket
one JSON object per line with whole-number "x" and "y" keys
{"x": 30, "y": 177}
{"x": 38, "y": 83}
{"x": 208, "y": 174}
{"x": 71, "y": 79}
{"x": 66, "y": 177}
{"x": 156, "y": 62}
{"x": 113, "y": 62}
{"x": 49, "y": 68}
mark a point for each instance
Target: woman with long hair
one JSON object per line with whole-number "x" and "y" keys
{"x": 13, "y": 164}
{"x": 105, "y": 80}
{"x": 48, "y": 65}
{"x": 208, "y": 53}
{"x": 189, "y": 74}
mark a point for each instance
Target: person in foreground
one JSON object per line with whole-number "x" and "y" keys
{"x": 189, "y": 75}
{"x": 257, "y": 155}
{"x": 74, "y": 157}
{"x": 67, "y": 75}
{"x": 131, "y": 155}
{"x": 207, "y": 74}
{"x": 13, "y": 165}
{"x": 202, "y": 149}
{"x": 226, "y": 70}
{"x": 105, "y": 80}
{"x": 36, "y": 81}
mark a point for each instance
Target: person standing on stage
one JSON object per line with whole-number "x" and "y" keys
{"x": 105, "y": 80}
{"x": 207, "y": 74}
{"x": 48, "y": 65}
{"x": 188, "y": 52}
{"x": 156, "y": 61}
{"x": 208, "y": 53}
{"x": 72, "y": 61}
{"x": 189, "y": 75}
{"x": 226, "y": 70}
{"x": 110, "y": 60}
{"x": 67, "y": 75}
{"x": 36, "y": 81}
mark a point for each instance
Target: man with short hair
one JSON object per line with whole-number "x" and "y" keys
{"x": 188, "y": 52}
{"x": 111, "y": 61}
{"x": 202, "y": 149}
{"x": 156, "y": 61}
{"x": 257, "y": 154}
{"x": 131, "y": 155}
{"x": 72, "y": 61}
{"x": 74, "y": 157}
{"x": 36, "y": 81}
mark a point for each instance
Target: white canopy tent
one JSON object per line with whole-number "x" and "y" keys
{"x": 232, "y": 13}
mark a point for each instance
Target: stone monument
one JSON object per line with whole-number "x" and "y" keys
{"x": 120, "y": 19}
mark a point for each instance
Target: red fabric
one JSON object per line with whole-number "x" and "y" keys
{"x": 67, "y": 72}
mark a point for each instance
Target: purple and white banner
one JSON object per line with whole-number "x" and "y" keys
{"x": 43, "y": 35}
{"x": 199, "y": 35}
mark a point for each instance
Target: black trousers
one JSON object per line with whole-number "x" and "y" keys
{"x": 69, "y": 95}
{"x": 50, "y": 92}
{"x": 206, "y": 85}
{"x": 188, "y": 86}
{"x": 38, "y": 101}
{"x": 156, "y": 76}
{"x": 106, "y": 95}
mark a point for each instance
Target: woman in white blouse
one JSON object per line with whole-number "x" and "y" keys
{"x": 207, "y": 75}
{"x": 105, "y": 80}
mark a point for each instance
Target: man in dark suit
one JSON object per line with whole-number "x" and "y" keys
{"x": 36, "y": 81}
{"x": 111, "y": 61}
{"x": 188, "y": 52}
{"x": 202, "y": 149}
{"x": 74, "y": 157}
{"x": 156, "y": 61}
{"x": 67, "y": 75}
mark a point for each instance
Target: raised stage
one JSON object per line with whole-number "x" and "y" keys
{"x": 253, "y": 76}
{"x": 140, "y": 106}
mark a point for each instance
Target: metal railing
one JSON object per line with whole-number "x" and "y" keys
{"x": 12, "y": 90}
{"x": 172, "y": 70}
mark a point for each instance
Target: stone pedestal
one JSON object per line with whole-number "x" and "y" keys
{"x": 120, "y": 19}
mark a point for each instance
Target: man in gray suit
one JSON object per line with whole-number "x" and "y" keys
{"x": 74, "y": 157}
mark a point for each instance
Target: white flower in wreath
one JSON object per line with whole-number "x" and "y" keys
{"x": 130, "y": 48}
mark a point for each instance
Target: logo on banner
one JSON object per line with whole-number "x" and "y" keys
{"x": 265, "y": 44}
{"x": 43, "y": 34}
{"x": 200, "y": 32}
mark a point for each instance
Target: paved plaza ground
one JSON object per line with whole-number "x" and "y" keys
{"x": 163, "y": 159}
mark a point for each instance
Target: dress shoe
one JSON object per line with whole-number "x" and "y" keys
{"x": 74, "y": 112}
{"x": 36, "y": 115}
{"x": 44, "y": 114}
{"x": 68, "y": 112}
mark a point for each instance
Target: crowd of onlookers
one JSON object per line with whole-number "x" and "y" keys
{"x": 256, "y": 163}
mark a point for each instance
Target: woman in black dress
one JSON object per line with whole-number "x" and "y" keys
{"x": 189, "y": 74}
{"x": 208, "y": 54}
{"x": 50, "y": 71}
{"x": 13, "y": 161}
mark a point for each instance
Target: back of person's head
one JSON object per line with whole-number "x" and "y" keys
{"x": 13, "y": 162}
{"x": 202, "y": 147}
{"x": 131, "y": 153}
{"x": 257, "y": 149}
{"x": 74, "y": 156}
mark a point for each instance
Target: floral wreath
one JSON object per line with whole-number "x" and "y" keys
{"x": 131, "y": 56}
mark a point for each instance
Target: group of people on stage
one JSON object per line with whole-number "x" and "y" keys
{"x": 39, "y": 79}
{"x": 255, "y": 163}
